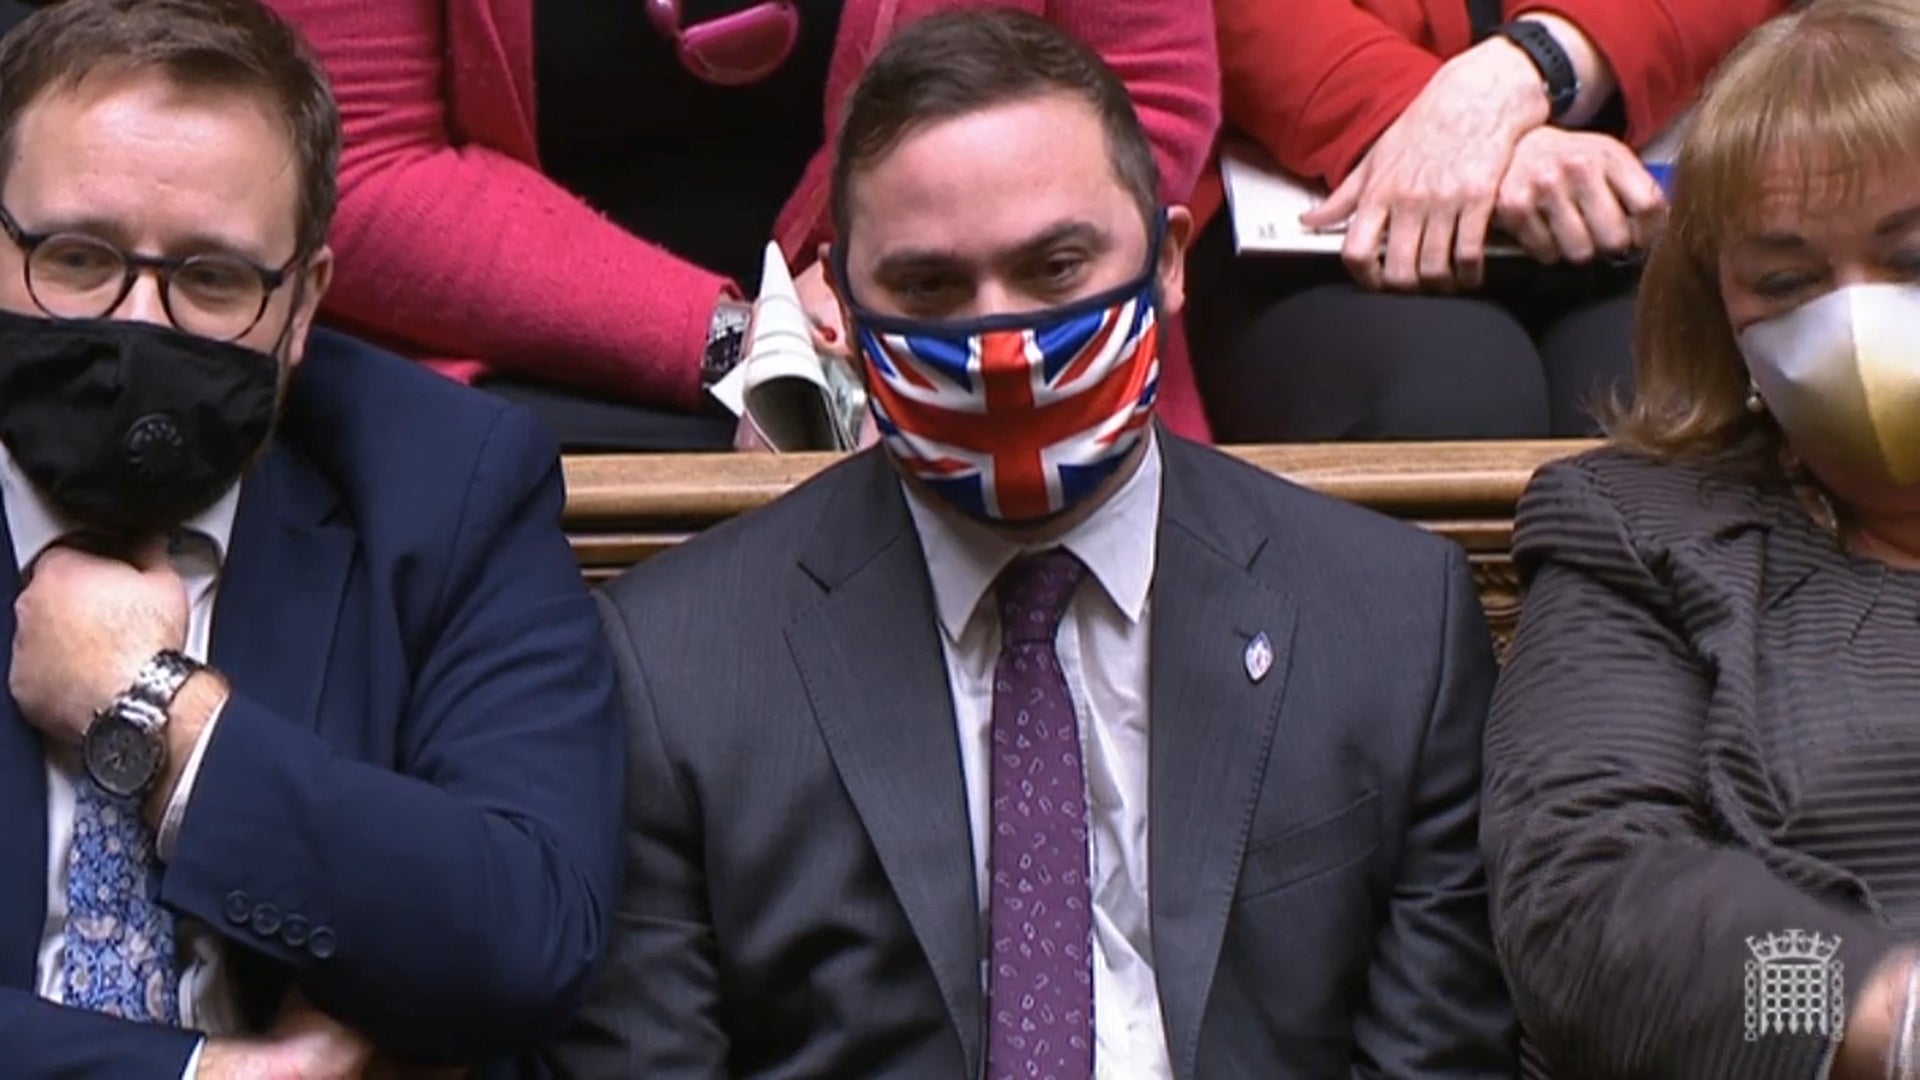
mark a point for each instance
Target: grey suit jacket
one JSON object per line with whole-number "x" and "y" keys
{"x": 800, "y": 897}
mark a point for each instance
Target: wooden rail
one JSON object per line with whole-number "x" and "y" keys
{"x": 622, "y": 508}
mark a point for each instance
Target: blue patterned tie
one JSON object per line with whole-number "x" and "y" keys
{"x": 1040, "y": 919}
{"x": 118, "y": 957}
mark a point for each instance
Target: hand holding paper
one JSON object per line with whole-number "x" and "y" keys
{"x": 790, "y": 396}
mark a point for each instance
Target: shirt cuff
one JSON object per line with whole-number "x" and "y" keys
{"x": 176, "y": 813}
{"x": 192, "y": 1071}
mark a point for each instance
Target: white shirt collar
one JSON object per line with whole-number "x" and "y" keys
{"x": 34, "y": 525}
{"x": 1116, "y": 542}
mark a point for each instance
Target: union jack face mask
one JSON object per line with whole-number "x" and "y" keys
{"x": 1016, "y": 418}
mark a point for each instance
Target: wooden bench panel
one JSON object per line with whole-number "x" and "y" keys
{"x": 623, "y": 508}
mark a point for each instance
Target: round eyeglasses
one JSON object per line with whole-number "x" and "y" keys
{"x": 733, "y": 50}
{"x": 73, "y": 275}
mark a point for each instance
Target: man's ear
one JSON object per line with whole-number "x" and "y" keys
{"x": 318, "y": 274}
{"x": 830, "y": 270}
{"x": 1173, "y": 259}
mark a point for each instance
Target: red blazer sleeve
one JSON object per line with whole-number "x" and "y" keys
{"x": 1661, "y": 50}
{"x": 1315, "y": 82}
{"x": 1164, "y": 50}
{"x": 463, "y": 251}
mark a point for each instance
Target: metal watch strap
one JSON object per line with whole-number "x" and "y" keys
{"x": 127, "y": 766}
{"x": 726, "y": 340}
{"x": 160, "y": 678}
{"x": 1556, "y": 67}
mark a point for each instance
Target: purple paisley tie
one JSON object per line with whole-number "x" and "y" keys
{"x": 1040, "y": 919}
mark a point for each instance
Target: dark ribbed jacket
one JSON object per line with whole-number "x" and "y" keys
{"x": 1708, "y": 731}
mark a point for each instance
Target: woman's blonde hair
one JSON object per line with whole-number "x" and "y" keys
{"x": 1832, "y": 90}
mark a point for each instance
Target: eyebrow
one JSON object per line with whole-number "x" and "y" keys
{"x": 191, "y": 244}
{"x": 1897, "y": 222}
{"x": 901, "y": 263}
{"x": 1776, "y": 241}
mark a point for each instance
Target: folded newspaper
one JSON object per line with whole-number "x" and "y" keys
{"x": 795, "y": 398}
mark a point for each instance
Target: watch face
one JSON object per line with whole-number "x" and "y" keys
{"x": 122, "y": 757}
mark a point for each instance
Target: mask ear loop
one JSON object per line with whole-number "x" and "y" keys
{"x": 281, "y": 343}
{"x": 1804, "y": 484}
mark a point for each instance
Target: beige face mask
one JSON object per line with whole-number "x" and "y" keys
{"x": 1841, "y": 374}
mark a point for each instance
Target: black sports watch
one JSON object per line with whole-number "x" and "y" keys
{"x": 1556, "y": 67}
{"x": 125, "y": 747}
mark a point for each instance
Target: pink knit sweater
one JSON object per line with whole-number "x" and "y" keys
{"x": 454, "y": 248}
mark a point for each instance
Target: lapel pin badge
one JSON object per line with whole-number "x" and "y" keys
{"x": 1259, "y": 656}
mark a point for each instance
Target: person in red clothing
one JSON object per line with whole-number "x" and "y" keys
{"x": 1429, "y": 142}
{"x": 566, "y": 201}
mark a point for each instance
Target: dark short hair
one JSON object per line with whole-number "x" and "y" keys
{"x": 955, "y": 63}
{"x": 223, "y": 44}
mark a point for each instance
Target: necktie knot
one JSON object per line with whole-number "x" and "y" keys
{"x": 1034, "y": 591}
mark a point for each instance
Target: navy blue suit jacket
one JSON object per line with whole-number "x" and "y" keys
{"x": 411, "y": 805}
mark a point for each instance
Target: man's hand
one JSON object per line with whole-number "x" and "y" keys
{"x": 1568, "y": 195}
{"x": 85, "y": 625}
{"x": 1419, "y": 205}
{"x": 305, "y": 1044}
{"x": 1875, "y": 1021}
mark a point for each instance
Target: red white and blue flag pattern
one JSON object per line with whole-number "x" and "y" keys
{"x": 1017, "y": 422}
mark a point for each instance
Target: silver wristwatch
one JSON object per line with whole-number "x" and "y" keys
{"x": 726, "y": 340}
{"x": 125, "y": 748}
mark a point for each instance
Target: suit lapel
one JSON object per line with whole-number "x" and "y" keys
{"x": 869, "y": 655}
{"x": 282, "y": 587}
{"x": 23, "y": 810}
{"x": 1212, "y": 727}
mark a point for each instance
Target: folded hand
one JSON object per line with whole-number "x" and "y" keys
{"x": 1419, "y": 204}
{"x": 1569, "y": 195}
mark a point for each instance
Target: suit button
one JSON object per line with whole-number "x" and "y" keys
{"x": 320, "y": 943}
{"x": 239, "y": 907}
{"x": 266, "y": 920}
{"x": 294, "y": 930}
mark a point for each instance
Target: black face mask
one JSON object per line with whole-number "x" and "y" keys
{"x": 129, "y": 429}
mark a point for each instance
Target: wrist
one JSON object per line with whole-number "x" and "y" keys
{"x": 1516, "y": 84}
{"x": 1593, "y": 76}
{"x": 200, "y": 699}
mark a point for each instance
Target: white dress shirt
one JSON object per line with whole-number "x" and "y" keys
{"x": 205, "y": 1000}
{"x": 1102, "y": 644}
